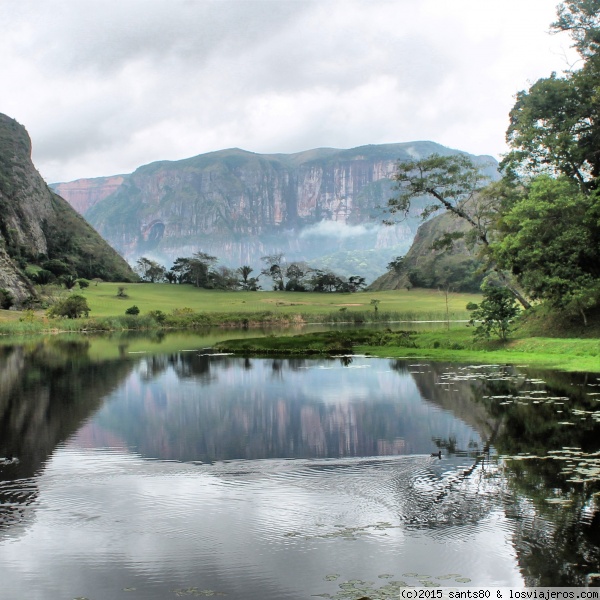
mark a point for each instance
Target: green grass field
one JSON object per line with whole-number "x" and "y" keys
{"x": 421, "y": 304}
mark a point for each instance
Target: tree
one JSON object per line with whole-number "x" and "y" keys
{"x": 196, "y": 270}
{"x": 132, "y": 310}
{"x": 495, "y": 314}
{"x": 551, "y": 243}
{"x": 72, "y": 307}
{"x": 356, "y": 283}
{"x": 396, "y": 264}
{"x": 274, "y": 268}
{"x": 149, "y": 270}
{"x": 43, "y": 277}
{"x": 58, "y": 267}
{"x": 249, "y": 284}
{"x": 581, "y": 18}
{"x": 554, "y": 129}
{"x": 224, "y": 278}
{"x": 69, "y": 281}
{"x": 455, "y": 184}
{"x": 555, "y": 125}
{"x": 296, "y": 273}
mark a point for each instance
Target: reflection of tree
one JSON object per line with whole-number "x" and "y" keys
{"x": 241, "y": 412}
{"x": 557, "y": 544}
{"x": 47, "y": 389}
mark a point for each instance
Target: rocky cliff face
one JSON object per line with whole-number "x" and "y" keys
{"x": 239, "y": 206}
{"x": 36, "y": 224}
{"x": 85, "y": 193}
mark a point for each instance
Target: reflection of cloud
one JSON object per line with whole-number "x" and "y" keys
{"x": 245, "y": 523}
{"x": 337, "y": 229}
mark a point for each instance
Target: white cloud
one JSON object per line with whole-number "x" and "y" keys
{"x": 105, "y": 87}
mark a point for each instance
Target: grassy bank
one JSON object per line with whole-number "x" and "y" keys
{"x": 183, "y": 306}
{"x": 455, "y": 345}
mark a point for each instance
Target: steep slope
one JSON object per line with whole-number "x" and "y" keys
{"x": 36, "y": 224}
{"x": 425, "y": 267}
{"x": 322, "y": 206}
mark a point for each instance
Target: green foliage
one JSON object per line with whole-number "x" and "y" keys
{"x": 69, "y": 281}
{"x": 43, "y": 277}
{"x": 6, "y": 298}
{"x": 495, "y": 314}
{"x": 72, "y": 241}
{"x": 132, "y": 310}
{"x": 121, "y": 292}
{"x": 72, "y": 307}
{"x": 447, "y": 182}
{"x": 158, "y": 315}
{"x": 551, "y": 242}
{"x": 553, "y": 129}
{"x": 83, "y": 283}
{"x": 581, "y": 18}
{"x": 149, "y": 270}
{"x": 57, "y": 267}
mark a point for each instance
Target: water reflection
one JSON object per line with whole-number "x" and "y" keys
{"x": 169, "y": 474}
{"x": 207, "y": 408}
{"x": 46, "y": 391}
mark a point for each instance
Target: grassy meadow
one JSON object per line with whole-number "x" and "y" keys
{"x": 418, "y": 304}
{"x": 539, "y": 340}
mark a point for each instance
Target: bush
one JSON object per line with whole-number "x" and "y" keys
{"x": 132, "y": 310}
{"x": 72, "y": 307}
{"x": 6, "y": 299}
{"x": 83, "y": 283}
{"x": 495, "y": 314}
{"x": 158, "y": 315}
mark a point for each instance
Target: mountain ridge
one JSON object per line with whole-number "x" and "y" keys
{"x": 322, "y": 205}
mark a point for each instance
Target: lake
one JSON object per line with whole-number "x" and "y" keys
{"x": 147, "y": 467}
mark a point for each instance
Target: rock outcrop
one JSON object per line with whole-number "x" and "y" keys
{"x": 323, "y": 206}
{"x": 36, "y": 224}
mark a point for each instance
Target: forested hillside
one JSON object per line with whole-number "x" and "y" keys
{"x": 38, "y": 229}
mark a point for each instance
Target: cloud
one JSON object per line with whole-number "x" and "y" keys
{"x": 105, "y": 87}
{"x": 336, "y": 229}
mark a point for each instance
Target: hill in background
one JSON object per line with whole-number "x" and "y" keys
{"x": 37, "y": 225}
{"x": 322, "y": 206}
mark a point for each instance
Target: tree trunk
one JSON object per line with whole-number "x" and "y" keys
{"x": 504, "y": 279}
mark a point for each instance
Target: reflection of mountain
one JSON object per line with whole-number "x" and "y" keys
{"x": 46, "y": 391}
{"x": 205, "y": 408}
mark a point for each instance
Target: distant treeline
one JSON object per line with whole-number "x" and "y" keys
{"x": 201, "y": 270}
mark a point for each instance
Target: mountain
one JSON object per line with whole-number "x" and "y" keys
{"x": 323, "y": 206}
{"x": 37, "y": 225}
{"x": 424, "y": 266}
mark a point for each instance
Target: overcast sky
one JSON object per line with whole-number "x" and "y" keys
{"x": 104, "y": 86}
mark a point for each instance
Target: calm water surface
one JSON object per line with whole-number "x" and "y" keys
{"x": 158, "y": 474}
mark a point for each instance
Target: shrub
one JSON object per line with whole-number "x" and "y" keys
{"x": 83, "y": 283}
{"x": 6, "y": 298}
{"x": 72, "y": 307}
{"x": 495, "y": 314}
{"x": 158, "y": 315}
{"x": 132, "y": 310}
